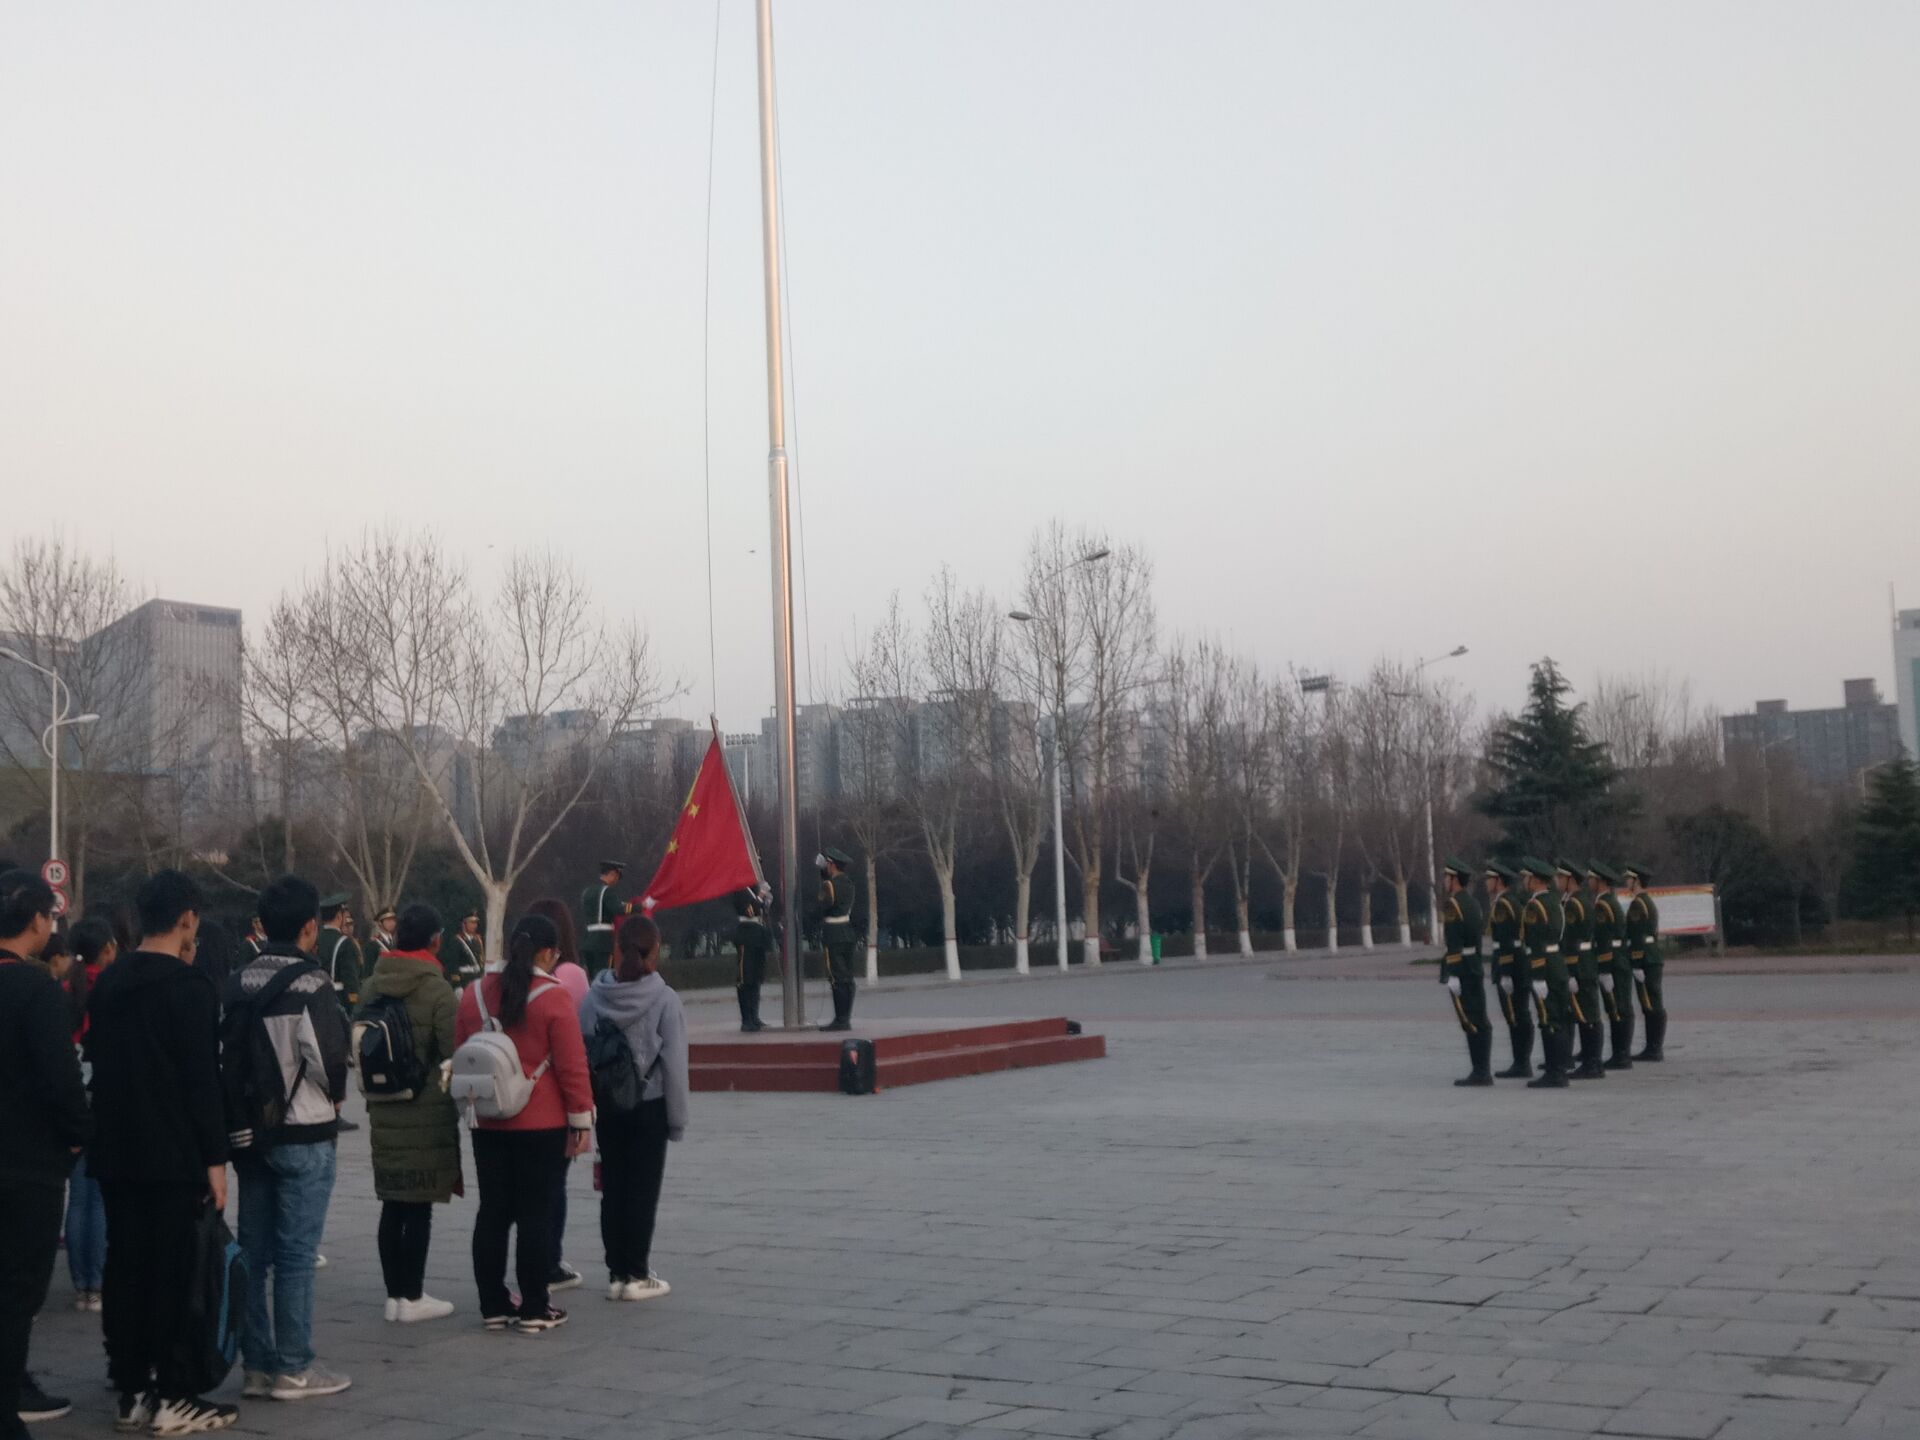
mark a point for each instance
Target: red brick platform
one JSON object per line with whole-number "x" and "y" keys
{"x": 905, "y": 1052}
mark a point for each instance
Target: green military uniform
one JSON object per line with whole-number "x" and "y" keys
{"x": 463, "y": 956}
{"x": 1460, "y": 972}
{"x": 1516, "y": 995}
{"x": 1615, "y": 965}
{"x": 753, "y": 935}
{"x": 1542, "y": 923}
{"x": 1643, "y": 949}
{"x": 339, "y": 955}
{"x": 836, "y": 934}
{"x": 598, "y": 910}
{"x": 1583, "y": 969}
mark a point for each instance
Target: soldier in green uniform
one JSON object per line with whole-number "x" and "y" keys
{"x": 1541, "y": 926}
{"x": 836, "y": 932}
{"x": 1643, "y": 949}
{"x": 598, "y": 910}
{"x": 1583, "y": 968}
{"x": 1516, "y": 994}
{"x": 339, "y": 953}
{"x": 380, "y": 938}
{"x": 753, "y": 934}
{"x": 464, "y": 958}
{"x": 1616, "y": 966}
{"x": 1460, "y": 968}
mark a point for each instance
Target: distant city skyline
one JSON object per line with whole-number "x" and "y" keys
{"x": 1308, "y": 300}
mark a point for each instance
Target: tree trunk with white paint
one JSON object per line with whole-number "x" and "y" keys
{"x": 1022, "y": 922}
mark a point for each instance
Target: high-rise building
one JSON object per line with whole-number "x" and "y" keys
{"x": 1906, "y": 678}
{"x": 175, "y": 710}
{"x": 815, "y": 756}
{"x": 1830, "y": 746}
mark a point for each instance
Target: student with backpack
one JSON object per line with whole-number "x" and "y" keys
{"x": 403, "y": 1037}
{"x": 159, "y": 1153}
{"x": 283, "y": 1065}
{"x": 520, "y": 1072}
{"x": 637, "y": 1037}
{"x": 93, "y": 951}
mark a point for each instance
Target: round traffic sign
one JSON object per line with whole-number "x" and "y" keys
{"x": 60, "y": 904}
{"x": 54, "y": 872}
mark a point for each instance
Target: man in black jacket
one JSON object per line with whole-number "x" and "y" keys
{"x": 43, "y": 1124}
{"x": 159, "y": 1152}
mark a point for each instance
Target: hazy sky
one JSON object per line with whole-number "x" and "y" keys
{"x": 1590, "y": 329}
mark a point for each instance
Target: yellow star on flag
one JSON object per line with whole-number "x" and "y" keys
{"x": 692, "y": 809}
{"x": 672, "y": 845}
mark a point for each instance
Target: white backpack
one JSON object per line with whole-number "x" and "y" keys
{"x": 487, "y": 1078}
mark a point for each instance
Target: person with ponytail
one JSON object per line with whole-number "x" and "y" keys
{"x": 517, "y": 1158}
{"x": 633, "y": 1144}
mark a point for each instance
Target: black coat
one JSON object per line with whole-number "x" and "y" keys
{"x": 43, "y": 1106}
{"x": 153, "y": 1037}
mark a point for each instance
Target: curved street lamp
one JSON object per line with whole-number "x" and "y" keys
{"x": 50, "y": 740}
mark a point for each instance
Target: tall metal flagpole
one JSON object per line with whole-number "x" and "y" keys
{"x": 792, "y": 996}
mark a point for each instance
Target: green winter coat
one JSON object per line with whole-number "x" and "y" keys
{"x": 416, "y": 1143}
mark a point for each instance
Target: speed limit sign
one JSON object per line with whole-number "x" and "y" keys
{"x": 54, "y": 872}
{"x": 60, "y": 903}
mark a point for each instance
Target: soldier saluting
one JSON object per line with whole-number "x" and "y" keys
{"x": 1583, "y": 969}
{"x": 1616, "y": 966}
{"x": 1516, "y": 995}
{"x": 836, "y": 932}
{"x": 1460, "y": 968}
{"x": 1541, "y": 925}
{"x": 598, "y": 910}
{"x": 1643, "y": 948}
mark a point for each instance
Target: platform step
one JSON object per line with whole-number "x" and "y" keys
{"x": 798, "y": 1066}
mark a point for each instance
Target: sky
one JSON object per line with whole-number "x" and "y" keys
{"x": 1582, "y": 329}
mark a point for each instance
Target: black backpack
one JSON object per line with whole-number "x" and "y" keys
{"x": 216, "y": 1303}
{"x": 251, "y": 1085}
{"x": 615, "y": 1073}
{"x": 389, "y": 1066}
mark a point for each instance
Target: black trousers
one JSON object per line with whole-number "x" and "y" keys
{"x": 149, "y": 1273}
{"x": 559, "y": 1211}
{"x": 633, "y": 1157}
{"x": 406, "y": 1230}
{"x": 516, "y": 1170}
{"x": 29, "y": 1236}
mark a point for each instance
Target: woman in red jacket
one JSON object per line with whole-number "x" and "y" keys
{"x": 518, "y": 1159}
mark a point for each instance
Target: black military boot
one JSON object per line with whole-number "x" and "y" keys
{"x": 749, "y": 1009}
{"x": 1656, "y": 1037}
{"x": 1520, "y": 1037}
{"x": 1622, "y": 1043}
{"x": 1590, "y": 1053}
{"x": 1479, "y": 1053}
{"x": 1558, "y": 1045}
{"x": 842, "y": 1009}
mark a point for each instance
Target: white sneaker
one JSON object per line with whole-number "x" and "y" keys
{"x": 311, "y": 1383}
{"x": 393, "y": 1309}
{"x": 257, "y": 1385}
{"x": 616, "y": 1288}
{"x": 649, "y": 1287}
{"x": 412, "y": 1312}
{"x": 191, "y": 1417}
{"x": 319, "y": 1261}
{"x": 135, "y": 1412}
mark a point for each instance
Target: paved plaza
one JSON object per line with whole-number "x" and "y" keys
{"x": 1267, "y": 1213}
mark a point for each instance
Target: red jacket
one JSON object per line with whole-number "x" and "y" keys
{"x": 563, "y": 1097}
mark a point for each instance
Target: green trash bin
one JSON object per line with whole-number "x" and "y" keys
{"x": 1156, "y": 949}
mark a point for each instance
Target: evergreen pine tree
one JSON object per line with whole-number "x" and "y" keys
{"x": 1887, "y": 843}
{"x": 1551, "y": 785}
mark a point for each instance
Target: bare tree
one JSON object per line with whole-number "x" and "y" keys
{"x": 1094, "y": 606}
{"x": 1136, "y": 813}
{"x": 1249, "y": 786}
{"x": 1189, "y": 743}
{"x": 1019, "y": 768}
{"x": 1390, "y": 777}
{"x": 1290, "y": 735}
{"x": 875, "y": 753}
{"x": 1329, "y": 800}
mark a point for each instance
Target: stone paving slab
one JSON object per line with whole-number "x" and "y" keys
{"x": 1267, "y": 1213}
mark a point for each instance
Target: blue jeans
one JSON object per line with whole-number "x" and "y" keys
{"x": 283, "y": 1208}
{"x": 86, "y": 1231}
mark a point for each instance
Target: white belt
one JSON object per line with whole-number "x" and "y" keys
{"x": 1586, "y": 944}
{"x": 1553, "y": 949}
{"x": 599, "y": 927}
{"x": 837, "y": 920}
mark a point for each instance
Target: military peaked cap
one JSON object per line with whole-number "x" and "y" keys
{"x": 1637, "y": 872}
{"x": 1574, "y": 868}
{"x": 606, "y": 865}
{"x": 1534, "y": 865}
{"x": 1454, "y": 865}
{"x": 837, "y": 856}
{"x": 1504, "y": 872}
{"x": 1605, "y": 872}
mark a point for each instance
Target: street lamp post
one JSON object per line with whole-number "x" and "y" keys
{"x": 1426, "y": 786}
{"x": 50, "y": 740}
{"x": 1055, "y": 758}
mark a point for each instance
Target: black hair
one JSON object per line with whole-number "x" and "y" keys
{"x": 562, "y": 918}
{"x": 639, "y": 937}
{"x": 286, "y": 905}
{"x": 56, "y": 946}
{"x": 533, "y": 934}
{"x": 90, "y": 937}
{"x": 164, "y": 899}
{"x": 328, "y": 912}
{"x": 217, "y": 953}
{"x": 417, "y": 927}
{"x": 23, "y": 895}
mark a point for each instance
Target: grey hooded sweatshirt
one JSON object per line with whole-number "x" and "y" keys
{"x": 650, "y": 1014}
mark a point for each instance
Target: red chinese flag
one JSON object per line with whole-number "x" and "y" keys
{"x": 709, "y": 854}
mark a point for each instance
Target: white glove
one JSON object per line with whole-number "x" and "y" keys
{"x": 1573, "y": 985}
{"x": 1540, "y": 989}
{"x": 1640, "y": 975}
{"x": 1453, "y": 984}
{"x": 1506, "y": 987}
{"x": 1606, "y": 982}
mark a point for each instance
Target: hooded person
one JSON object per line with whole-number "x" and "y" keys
{"x": 631, "y": 997}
